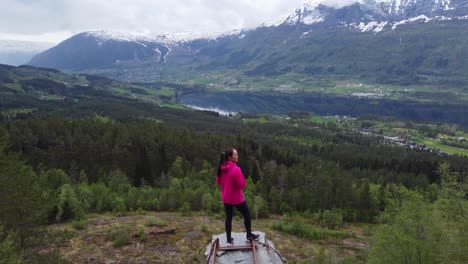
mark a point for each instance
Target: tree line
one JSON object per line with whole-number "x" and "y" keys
{"x": 58, "y": 168}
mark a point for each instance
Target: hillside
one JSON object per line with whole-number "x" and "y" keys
{"x": 25, "y": 89}
{"x": 415, "y": 43}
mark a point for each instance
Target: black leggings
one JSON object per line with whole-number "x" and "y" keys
{"x": 244, "y": 209}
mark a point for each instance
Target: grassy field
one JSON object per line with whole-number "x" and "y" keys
{"x": 448, "y": 149}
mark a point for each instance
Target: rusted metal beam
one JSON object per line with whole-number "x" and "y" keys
{"x": 252, "y": 243}
{"x": 232, "y": 248}
{"x": 215, "y": 248}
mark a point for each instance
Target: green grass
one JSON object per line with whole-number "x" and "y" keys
{"x": 166, "y": 91}
{"x": 306, "y": 141}
{"x": 175, "y": 106}
{"x": 119, "y": 236}
{"x": 14, "y": 86}
{"x": 15, "y": 111}
{"x": 80, "y": 224}
{"x": 301, "y": 229}
{"x": 156, "y": 222}
{"x": 103, "y": 119}
{"x": 322, "y": 120}
{"x": 260, "y": 120}
{"x": 445, "y": 148}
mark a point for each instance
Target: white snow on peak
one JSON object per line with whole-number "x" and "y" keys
{"x": 445, "y": 4}
{"x": 232, "y": 33}
{"x": 313, "y": 18}
{"x": 140, "y": 38}
{"x": 186, "y": 37}
{"x": 443, "y": 18}
{"x": 296, "y": 16}
{"x": 275, "y": 22}
{"x": 413, "y": 19}
{"x": 399, "y": 6}
{"x": 308, "y": 14}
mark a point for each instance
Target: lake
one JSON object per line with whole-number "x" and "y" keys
{"x": 281, "y": 103}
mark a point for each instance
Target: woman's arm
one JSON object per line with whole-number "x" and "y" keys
{"x": 240, "y": 179}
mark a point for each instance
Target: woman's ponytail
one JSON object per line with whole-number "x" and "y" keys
{"x": 221, "y": 162}
{"x": 224, "y": 157}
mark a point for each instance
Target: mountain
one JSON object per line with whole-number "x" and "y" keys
{"x": 385, "y": 41}
{"x": 99, "y": 49}
{"x": 376, "y": 15}
{"x": 14, "y": 52}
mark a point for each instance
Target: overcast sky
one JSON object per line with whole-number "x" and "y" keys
{"x": 56, "y": 20}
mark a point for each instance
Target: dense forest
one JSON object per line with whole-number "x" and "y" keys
{"x": 56, "y": 168}
{"x": 101, "y": 152}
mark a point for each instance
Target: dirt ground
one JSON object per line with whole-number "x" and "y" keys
{"x": 172, "y": 238}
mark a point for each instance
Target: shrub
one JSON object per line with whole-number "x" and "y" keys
{"x": 204, "y": 228}
{"x": 332, "y": 219}
{"x": 299, "y": 228}
{"x": 10, "y": 251}
{"x": 119, "y": 236}
{"x": 80, "y": 224}
{"x": 68, "y": 205}
{"x": 142, "y": 233}
{"x": 185, "y": 209}
{"x": 155, "y": 222}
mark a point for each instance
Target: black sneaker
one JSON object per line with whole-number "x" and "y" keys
{"x": 230, "y": 241}
{"x": 252, "y": 236}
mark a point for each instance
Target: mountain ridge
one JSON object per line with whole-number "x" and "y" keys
{"x": 269, "y": 49}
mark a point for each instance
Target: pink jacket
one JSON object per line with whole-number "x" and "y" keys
{"x": 232, "y": 182}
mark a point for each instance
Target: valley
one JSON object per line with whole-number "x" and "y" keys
{"x": 349, "y": 120}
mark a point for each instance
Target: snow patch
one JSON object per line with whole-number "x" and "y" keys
{"x": 424, "y": 18}
{"x": 159, "y": 52}
{"x": 165, "y": 56}
{"x": 371, "y": 26}
{"x": 313, "y": 19}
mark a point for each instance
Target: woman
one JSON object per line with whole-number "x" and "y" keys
{"x": 232, "y": 181}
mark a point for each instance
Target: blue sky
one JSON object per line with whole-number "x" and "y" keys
{"x": 56, "y": 20}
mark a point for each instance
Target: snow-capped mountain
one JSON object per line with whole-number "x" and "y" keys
{"x": 374, "y": 15}
{"x": 398, "y": 41}
{"x": 14, "y": 52}
{"x": 97, "y": 49}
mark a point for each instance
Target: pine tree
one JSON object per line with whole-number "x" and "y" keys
{"x": 23, "y": 202}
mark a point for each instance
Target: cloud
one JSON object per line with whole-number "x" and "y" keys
{"x": 338, "y": 3}
{"x": 54, "y": 18}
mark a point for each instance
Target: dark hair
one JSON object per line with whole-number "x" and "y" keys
{"x": 224, "y": 157}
